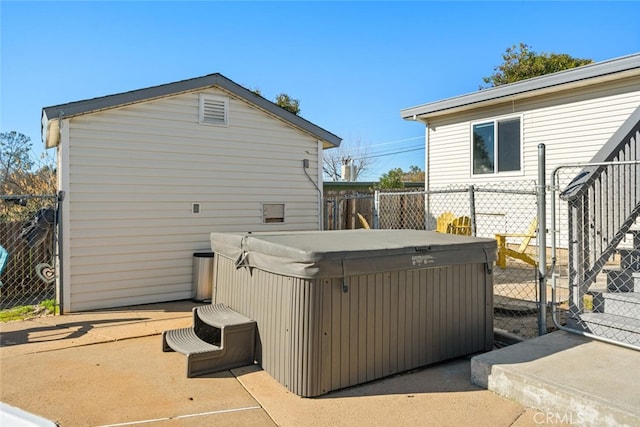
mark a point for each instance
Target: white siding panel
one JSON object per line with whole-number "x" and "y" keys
{"x": 449, "y": 145}
{"x": 572, "y": 127}
{"x": 134, "y": 173}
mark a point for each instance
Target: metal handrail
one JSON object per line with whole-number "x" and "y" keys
{"x": 603, "y": 203}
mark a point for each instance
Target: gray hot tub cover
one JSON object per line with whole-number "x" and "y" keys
{"x": 329, "y": 254}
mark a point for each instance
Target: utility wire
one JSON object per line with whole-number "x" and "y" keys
{"x": 389, "y": 154}
{"x": 396, "y": 141}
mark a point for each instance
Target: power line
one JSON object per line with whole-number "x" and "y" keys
{"x": 384, "y": 153}
{"x": 390, "y": 154}
{"x": 396, "y": 141}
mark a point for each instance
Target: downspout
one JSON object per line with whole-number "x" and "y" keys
{"x": 305, "y": 166}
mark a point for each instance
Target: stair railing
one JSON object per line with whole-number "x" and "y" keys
{"x": 603, "y": 201}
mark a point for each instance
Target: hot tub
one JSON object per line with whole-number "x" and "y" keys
{"x": 339, "y": 308}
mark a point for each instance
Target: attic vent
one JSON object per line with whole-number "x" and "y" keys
{"x": 214, "y": 110}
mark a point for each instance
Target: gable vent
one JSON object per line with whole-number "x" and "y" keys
{"x": 214, "y": 110}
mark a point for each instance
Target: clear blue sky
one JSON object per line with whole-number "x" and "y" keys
{"x": 352, "y": 65}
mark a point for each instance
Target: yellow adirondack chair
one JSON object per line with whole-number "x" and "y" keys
{"x": 520, "y": 253}
{"x": 443, "y": 221}
{"x": 363, "y": 222}
{"x": 461, "y": 226}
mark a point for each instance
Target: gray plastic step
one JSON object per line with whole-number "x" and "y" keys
{"x": 618, "y": 328}
{"x": 219, "y": 316}
{"x": 220, "y": 339}
{"x": 185, "y": 341}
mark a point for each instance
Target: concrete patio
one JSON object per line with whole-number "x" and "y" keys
{"x": 106, "y": 368}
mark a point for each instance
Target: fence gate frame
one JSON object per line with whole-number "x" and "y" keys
{"x": 579, "y": 252}
{"x": 34, "y": 219}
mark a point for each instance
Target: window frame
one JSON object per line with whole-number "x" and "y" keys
{"x": 494, "y": 121}
{"x": 201, "y": 102}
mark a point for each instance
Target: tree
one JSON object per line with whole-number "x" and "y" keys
{"x": 285, "y": 101}
{"x": 415, "y": 174}
{"x": 396, "y": 178}
{"x": 353, "y": 153}
{"x": 391, "y": 179}
{"x": 23, "y": 174}
{"x": 521, "y": 63}
{"x": 14, "y": 157}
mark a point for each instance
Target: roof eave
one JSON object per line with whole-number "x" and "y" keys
{"x": 72, "y": 109}
{"x": 580, "y": 76}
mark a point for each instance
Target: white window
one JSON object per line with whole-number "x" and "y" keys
{"x": 214, "y": 110}
{"x": 496, "y": 146}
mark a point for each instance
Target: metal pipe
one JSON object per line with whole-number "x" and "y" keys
{"x": 542, "y": 240}
{"x": 472, "y": 209}
{"x": 376, "y": 206}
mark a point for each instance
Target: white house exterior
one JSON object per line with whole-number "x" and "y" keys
{"x": 147, "y": 175}
{"x": 573, "y": 112}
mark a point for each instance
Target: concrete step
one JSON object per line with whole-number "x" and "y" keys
{"x": 621, "y": 280}
{"x": 631, "y": 239}
{"x": 618, "y": 328}
{"x": 555, "y": 374}
{"x": 629, "y": 259}
{"x": 626, "y": 304}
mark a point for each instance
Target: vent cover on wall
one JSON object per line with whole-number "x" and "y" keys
{"x": 214, "y": 110}
{"x": 272, "y": 212}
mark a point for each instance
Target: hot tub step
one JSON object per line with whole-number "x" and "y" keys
{"x": 220, "y": 339}
{"x": 219, "y": 315}
{"x": 185, "y": 341}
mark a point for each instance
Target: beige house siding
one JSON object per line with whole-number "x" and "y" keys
{"x": 132, "y": 174}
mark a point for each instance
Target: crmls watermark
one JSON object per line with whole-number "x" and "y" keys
{"x": 556, "y": 418}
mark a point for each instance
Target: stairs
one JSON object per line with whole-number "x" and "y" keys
{"x": 616, "y": 309}
{"x": 219, "y": 339}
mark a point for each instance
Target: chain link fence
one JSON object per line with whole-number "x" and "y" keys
{"x": 506, "y": 212}
{"x": 596, "y": 250}
{"x": 28, "y": 230}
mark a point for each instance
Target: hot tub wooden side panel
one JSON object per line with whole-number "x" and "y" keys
{"x": 314, "y": 338}
{"x": 393, "y": 322}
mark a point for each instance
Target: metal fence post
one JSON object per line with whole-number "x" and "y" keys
{"x": 376, "y": 206}
{"x": 472, "y": 209}
{"x": 59, "y": 247}
{"x": 427, "y": 212}
{"x": 542, "y": 241}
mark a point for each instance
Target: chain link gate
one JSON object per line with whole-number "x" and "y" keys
{"x": 596, "y": 250}
{"x": 504, "y": 211}
{"x": 28, "y": 248}
{"x": 348, "y": 211}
